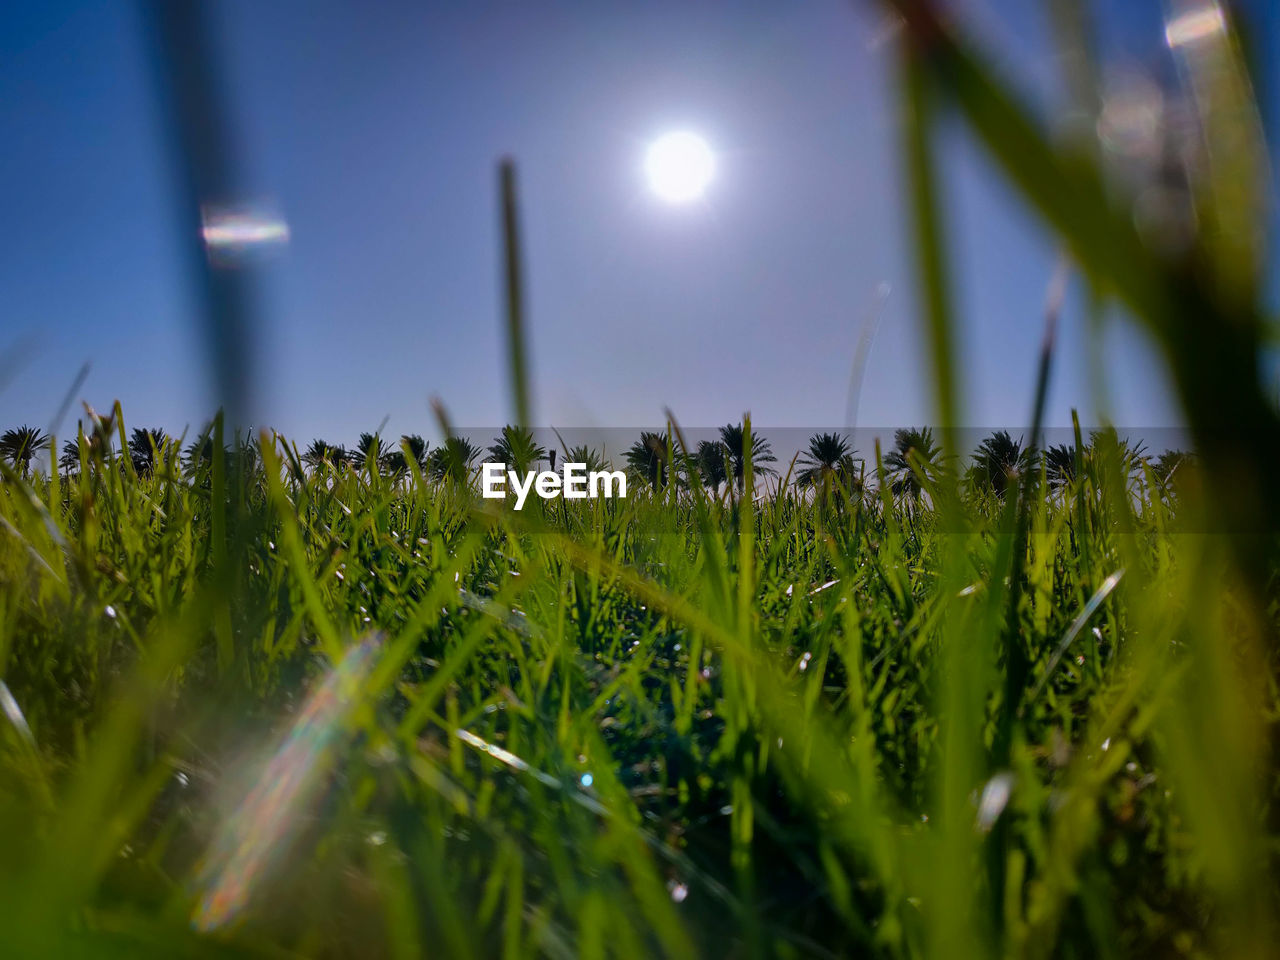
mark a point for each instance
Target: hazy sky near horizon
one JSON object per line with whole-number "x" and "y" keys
{"x": 374, "y": 131}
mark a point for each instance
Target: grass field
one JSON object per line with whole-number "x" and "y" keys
{"x": 261, "y": 706}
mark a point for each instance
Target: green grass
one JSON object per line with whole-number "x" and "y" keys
{"x": 257, "y": 710}
{"x": 774, "y": 768}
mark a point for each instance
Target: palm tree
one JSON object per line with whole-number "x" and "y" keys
{"x": 1109, "y": 452}
{"x": 711, "y": 460}
{"x": 517, "y": 449}
{"x": 245, "y": 454}
{"x": 452, "y": 460}
{"x": 69, "y": 461}
{"x": 999, "y": 461}
{"x": 241, "y": 457}
{"x": 913, "y": 449}
{"x": 829, "y": 456}
{"x": 1169, "y": 463}
{"x": 592, "y": 458}
{"x": 1171, "y": 471}
{"x": 369, "y": 452}
{"x": 198, "y": 456}
{"x": 144, "y": 446}
{"x": 647, "y": 458}
{"x": 20, "y": 446}
{"x": 396, "y": 463}
{"x": 322, "y": 454}
{"x": 414, "y": 448}
{"x": 733, "y": 436}
{"x": 1060, "y": 465}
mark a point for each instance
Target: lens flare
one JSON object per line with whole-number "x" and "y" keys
{"x": 247, "y": 843}
{"x": 1203, "y": 21}
{"x": 237, "y": 231}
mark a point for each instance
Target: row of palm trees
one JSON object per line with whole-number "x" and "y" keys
{"x": 655, "y": 459}
{"x": 147, "y": 449}
{"x": 452, "y": 460}
{"x": 913, "y": 463}
{"x": 999, "y": 462}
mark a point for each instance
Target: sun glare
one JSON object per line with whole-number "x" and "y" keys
{"x": 679, "y": 166}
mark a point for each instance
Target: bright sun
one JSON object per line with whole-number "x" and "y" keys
{"x": 679, "y": 165}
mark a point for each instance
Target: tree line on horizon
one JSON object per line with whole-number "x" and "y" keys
{"x": 913, "y": 464}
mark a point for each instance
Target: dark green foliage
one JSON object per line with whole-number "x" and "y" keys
{"x": 734, "y": 439}
{"x": 369, "y": 453}
{"x": 321, "y": 454}
{"x": 586, "y": 454}
{"x": 20, "y": 445}
{"x": 712, "y": 462}
{"x": 914, "y": 454}
{"x": 453, "y": 460}
{"x": 147, "y": 448}
{"x": 1060, "y": 465}
{"x": 828, "y": 461}
{"x": 649, "y": 458}
{"x": 999, "y": 463}
{"x": 517, "y": 449}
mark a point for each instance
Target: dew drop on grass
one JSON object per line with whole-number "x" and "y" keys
{"x": 110, "y": 611}
{"x": 587, "y": 780}
{"x": 678, "y": 891}
{"x": 377, "y": 838}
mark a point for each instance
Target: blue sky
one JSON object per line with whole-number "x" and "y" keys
{"x": 375, "y": 129}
